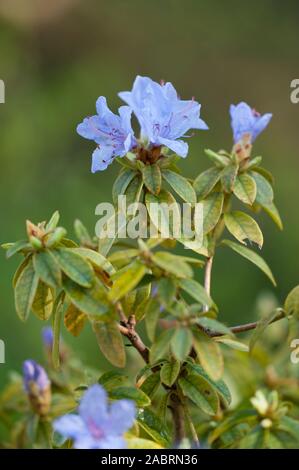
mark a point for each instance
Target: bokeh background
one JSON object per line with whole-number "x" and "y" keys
{"x": 57, "y": 57}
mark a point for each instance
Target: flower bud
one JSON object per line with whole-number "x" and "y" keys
{"x": 47, "y": 335}
{"x": 36, "y": 242}
{"x": 37, "y": 386}
{"x": 55, "y": 237}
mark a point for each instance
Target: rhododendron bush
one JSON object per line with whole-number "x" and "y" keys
{"x": 180, "y": 376}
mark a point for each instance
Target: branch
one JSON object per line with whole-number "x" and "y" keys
{"x": 135, "y": 340}
{"x": 127, "y": 329}
{"x": 247, "y": 326}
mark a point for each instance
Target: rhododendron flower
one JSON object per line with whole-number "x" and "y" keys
{"x": 113, "y": 134}
{"x": 98, "y": 425}
{"x": 245, "y": 121}
{"x": 163, "y": 116}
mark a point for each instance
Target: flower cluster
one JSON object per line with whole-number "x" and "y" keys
{"x": 98, "y": 426}
{"x": 163, "y": 117}
{"x": 164, "y": 120}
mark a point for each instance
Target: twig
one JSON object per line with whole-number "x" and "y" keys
{"x": 121, "y": 313}
{"x": 247, "y": 326}
{"x": 136, "y": 341}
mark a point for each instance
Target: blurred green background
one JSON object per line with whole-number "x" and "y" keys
{"x": 57, "y": 57}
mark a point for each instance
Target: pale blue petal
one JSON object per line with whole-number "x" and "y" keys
{"x": 101, "y": 158}
{"x": 112, "y": 442}
{"x": 121, "y": 417}
{"x": 125, "y": 113}
{"x": 86, "y": 441}
{"x": 93, "y": 406}
{"x": 70, "y": 426}
{"x": 261, "y": 124}
{"x": 177, "y": 146}
{"x": 88, "y": 128}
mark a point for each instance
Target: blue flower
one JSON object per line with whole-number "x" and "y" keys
{"x": 35, "y": 376}
{"x": 245, "y": 121}
{"x": 98, "y": 426}
{"x": 112, "y": 133}
{"x": 162, "y": 115}
{"x": 37, "y": 386}
{"x": 47, "y": 336}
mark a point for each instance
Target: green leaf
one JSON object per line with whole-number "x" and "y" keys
{"x": 106, "y": 242}
{"x": 272, "y": 211}
{"x": 57, "y": 317}
{"x": 228, "y": 177}
{"x": 181, "y": 343}
{"x": 151, "y": 317}
{"x": 291, "y": 305}
{"x": 74, "y": 266}
{"x": 289, "y": 425}
{"x": 166, "y": 291}
{"x": 141, "y": 301}
{"x": 74, "y": 320}
{"x": 92, "y": 301}
{"x": 152, "y": 178}
{"x": 254, "y": 162}
{"x": 151, "y": 384}
{"x": 254, "y": 439}
{"x": 16, "y": 247}
{"x": 264, "y": 193}
{"x": 112, "y": 379}
{"x": 205, "y": 182}
{"x": 196, "y": 291}
{"x": 213, "y": 325}
{"x": 128, "y": 162}
{"x": 243, "y": 227}
{"x": 140, "y": 443}
{"x": 163, "y": 407}
{"x": 238, "y": 417}
{"x": 198, "y": 390}
{"x": 20, "y": 269}
{"x": 209, "y": 354}
{"x": 218, "y": 385}
{"x": 155, "y": 427}
{"x": 55, "y": 237}
{"x": 170, "y": 371}
{"x": 53, "y": 222}
{"x": 25, "y": 291}
{"x": 134, "y": 190}
{"x": 161, "y": 345}
{"x": 251, "y": 256}
{"x": 260, "y": 328}
{"x": 127, "y": 281}
{"x": 43, "y": 301}
{"x": 232, "y": 343}
{"x": 164, "y": 213}
{"x": 121, "y": 183}
{"x": 171, "y": 264}
{"x": 180, "y": 185}
{"x": 245, "y": 188}
{"x": 131, "y": 393}
{"x": 47, "y": 268}
{"x": 220, "y": 160}
{"x": 212, "y": 209}
{"x": 82, "y": 233}
{"x": 95, "y": 258}
{"x": 110, "y": 342}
